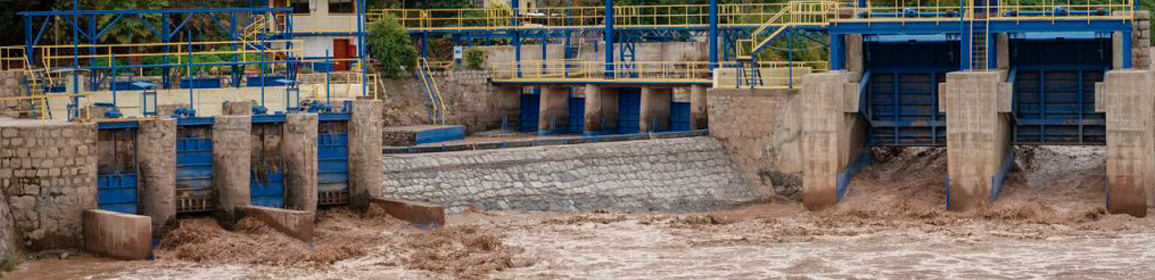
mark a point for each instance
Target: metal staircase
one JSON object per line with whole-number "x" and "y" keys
{"x": 433, "y": 99}
{"x": 794, "y": 14}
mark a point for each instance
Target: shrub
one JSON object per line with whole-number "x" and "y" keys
{"x": 474, "y": 59}
{"x": 392, "y": 47}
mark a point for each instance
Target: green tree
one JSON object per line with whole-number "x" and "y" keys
{"x": 391, "y": 47}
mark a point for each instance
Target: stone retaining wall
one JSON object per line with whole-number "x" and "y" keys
{"x": 684, "y": 174}
{"x": 760, "y": 129}
{"x": 48, "y": 174}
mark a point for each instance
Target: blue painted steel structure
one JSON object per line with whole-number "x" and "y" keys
{"x": 1054, "y": 84}
{"x": 530, "y": 110}
{"x": 901, "y": 91}
{"x": 116, "y": 179}
{"x": 577, "y": 115}
{"x": 629, "y": 110}
{"x": 679, "y": 116}
{"x": 194, "y": 166}
{"x": 333, "y": 159}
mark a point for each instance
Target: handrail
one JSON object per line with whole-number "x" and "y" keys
{"x": 430, "y": 84}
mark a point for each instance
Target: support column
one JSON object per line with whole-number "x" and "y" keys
{"x": 655, "y": 113}
{"x": 553, "y": 110}
{"x": 506, "y": 105}
{"x": 366, "y": 171}
{"x": 156, "y": 146}
{"x": 601, "y": 109}
{"x": 1002, "y": 51}
{"x": 232, "y": 148}
{"x": 299, "y": 149}
{"x": 979, "y": 153}
{"x": 699, "y": 116}
{"x": 855, "y": 61}
{"x": 1126, "y": 97}
{"x": 833, "y": 137}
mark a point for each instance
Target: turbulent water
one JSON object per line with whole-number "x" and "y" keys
{"x": 1048, "y": 223}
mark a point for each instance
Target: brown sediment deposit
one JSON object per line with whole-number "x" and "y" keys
{"x": 1048, "y": 222}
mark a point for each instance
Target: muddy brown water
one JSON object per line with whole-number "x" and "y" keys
{"x": 1048, "y": 224}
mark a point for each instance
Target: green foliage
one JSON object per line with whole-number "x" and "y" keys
{"x": 474, "y": 59}
{"x": 392, "y": 47}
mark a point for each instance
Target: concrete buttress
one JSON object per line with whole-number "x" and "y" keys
{"x": 979, "y": 154}
{"x": 231, "y": 166}
{"x": 833, "y": 137}
{"x": 1126, "y": 97}
{"x": 366, "y": 171}
{"x": 299, "y": 149}
{"x": 157, "y": 155}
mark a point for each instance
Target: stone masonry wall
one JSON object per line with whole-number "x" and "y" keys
{"x": 683, "y": 174}
{"x": 48, "y": 174}
{"x": 761, "y": 131}
{"x": 10, "y": 86}
{"x": 468, "y": 95}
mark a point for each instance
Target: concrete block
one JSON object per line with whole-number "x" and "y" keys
{"x": 850, "y": 100}
{"x": 699, "y": 114}
{"x": 117, "y": 235}
{"x": 655, "y": 111}
{"x": 831, "y": 138}
{"x": 855, "y": 60}
{"x": 232, "y": 147}
{"x": 1100, "y": 97}
{"x": 601, "y": 109}
{"x": 156, "y": 145}
{"x": 299, "y": 149}
{"x": 366, "y": 171}
{"x": 298, "y": 224}
{"x": 417, "y": 213}
{"x": 1130, "y": 143}
{"x": 1005, "y": 97}
{"x": 237, "y": 108}
{"x": 553, "y": 113}
{"x": 978, "y": 137}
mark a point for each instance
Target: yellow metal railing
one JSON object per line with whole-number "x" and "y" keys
{"x": 61, "y": 56}
{"x": 759, "y": 14}
{"x": 771, "y": 74}
{"x": 795, "y": 13}
{"x": 581, "y": 69}
{"x": 435, "y": 96}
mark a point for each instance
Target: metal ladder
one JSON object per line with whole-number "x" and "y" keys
{"x": 979, "y": 30}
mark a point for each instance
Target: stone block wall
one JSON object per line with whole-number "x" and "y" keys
{"x": 760, "y": 130}
{"x": 10, "y": 86}
{"x": 471, "y": 101}
{"x": 48, "y": 174}
{"x": 683, "y": 174}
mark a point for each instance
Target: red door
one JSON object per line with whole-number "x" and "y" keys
{"x": 340, "y": 52}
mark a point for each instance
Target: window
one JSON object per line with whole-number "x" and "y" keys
{"x": 341, "y": 6}
{"x": 300, "y": 7}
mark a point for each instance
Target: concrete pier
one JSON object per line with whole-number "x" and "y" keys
{"x": 507, "y": 104}
{"x": 655, "y": 112}
{"x": 977, "y": 106}
{"x": 299, "y": 150}
{"x": 553, "y": 114}
{"x": 833, "y": 137}
{"x": 365, "y": 166}
{"x": 699, "y": 118}
{"x": 232, "y": 147}
{"x": 1126, "y": 97}
{"x": 601, "y": 109}
{"x": 156, "y": 145}
{"x": 117, "y": 235}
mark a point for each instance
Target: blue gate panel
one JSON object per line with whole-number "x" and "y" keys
{"x": 333, "y": 168}
{"x": 903, "y": 110}
{"x": 629, "y": 110}
{"x": 268, "y": 81}
{"x": 200, "y": 83}
{"x": 577, "y": 115}
{"x": 440, "y": 134}
{"x": 679, "y": 116}
{"x": 194, "y": 174}
{"x": 1054, "y": 85}
{"x": 117, "y": 192}
{"x": 902, "y": 92}
{"x": 530, "y": 109}
{"x": 269, "y": 190}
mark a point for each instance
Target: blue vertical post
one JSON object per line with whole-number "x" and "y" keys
{"x": 609, "y": 38}
{"x": 191, "y": 105}
{"x": 964, "y": 37}
{"x": 75, "y": 54}
{"x": 712, "y": 38}
{"x": 361, "y": 47}
{"x": 836, "y": 52}
{"x": 328, "y": 76}
{"x": 1127, "y": 49}
{"x": 165, "y": 37}
{"x": 234, "y": 36}
{"x": 514, "y": 21}
{"x": 92, "y": 32}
